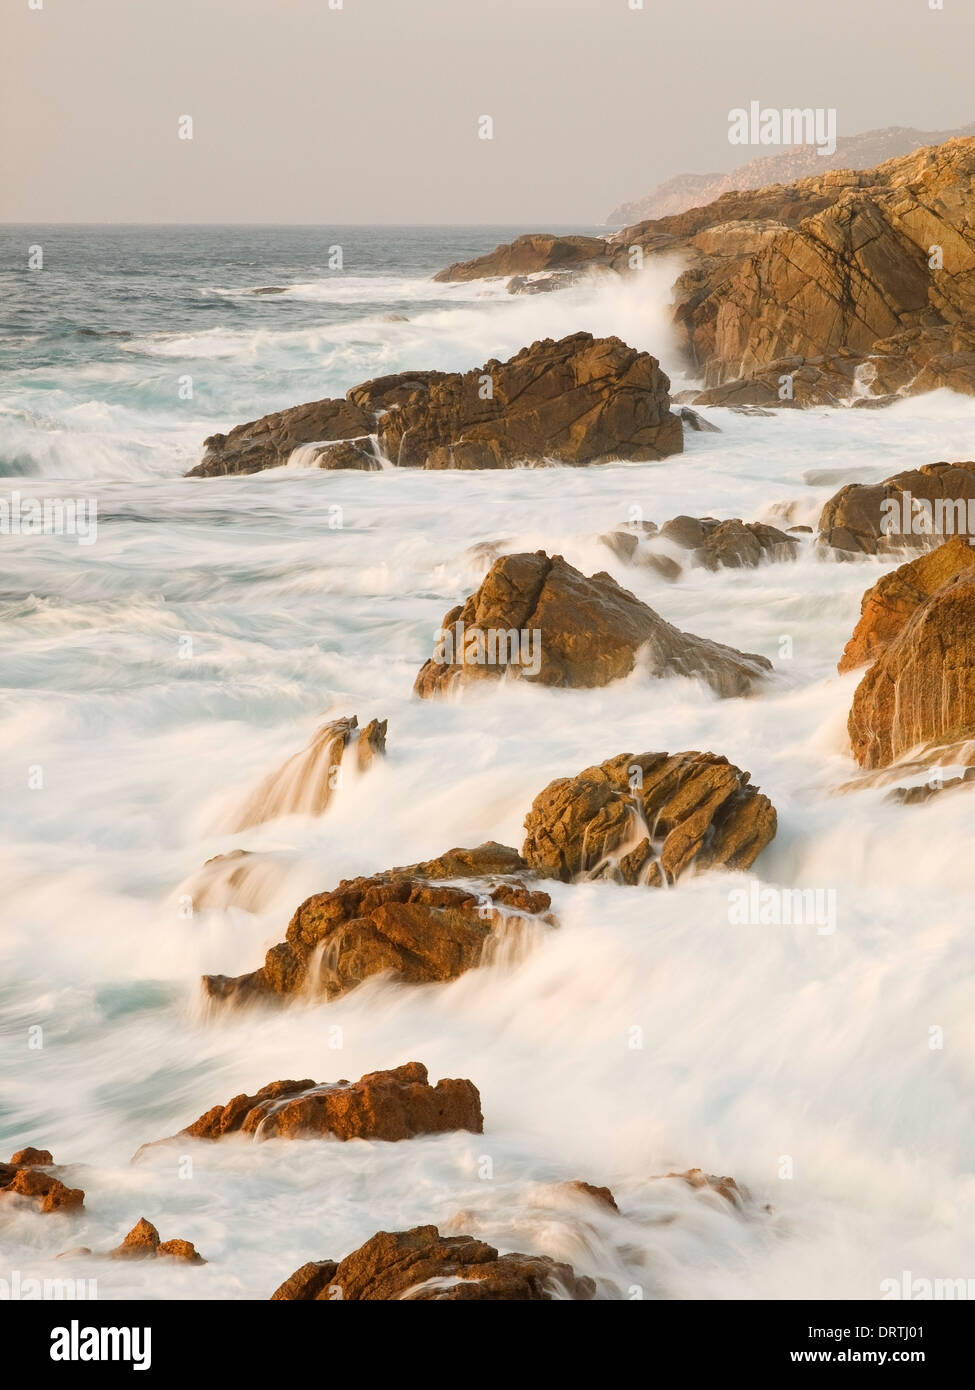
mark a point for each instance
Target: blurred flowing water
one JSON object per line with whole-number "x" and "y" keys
{"x": 156, "y": 676}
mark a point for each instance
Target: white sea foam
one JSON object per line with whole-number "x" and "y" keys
{"x": 758, "y": 1043}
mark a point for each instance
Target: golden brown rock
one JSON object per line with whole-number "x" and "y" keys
{"x": 23, "y": 1177}
{"x": 921, "y": 689}
{"x": 387, "y": 1105}
{"x": 537, "y": 618}
{"x": 596, "y": 1194}
{"x": 647, "y": 819}
{"x": 270, "y": 441}
{"x": 915, "y": 510}
{"x": 893, "y": 600}
{"x": 422, "y": 1265}
{"x": 403, "y": 921}
{"x": 143, "y": 1243}
{"x": 580, "y": 400}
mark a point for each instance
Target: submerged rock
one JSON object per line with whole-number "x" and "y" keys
{"x": 407, "y": 921}
{"x": 921, "y": 689}
{"x": 306, "y": 783}
{"x": 241, "y": 878}
{"x": 887, "y": 608}
{"x": 731, "y": 544}
{"x": 537, "y": 618}
{"x": 26, "y": 1175}
{"x": 388, "y": 1105}
{"x": 724, "y": 1187}
{"x": 421, "y": 1264}
{"x": 918, "y": 795}
{"x": 647, "y": 819}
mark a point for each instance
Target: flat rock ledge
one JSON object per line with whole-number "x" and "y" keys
{"x": 388, "y": 1105}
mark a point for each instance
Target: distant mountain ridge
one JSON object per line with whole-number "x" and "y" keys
{"x": 863, "y": 151}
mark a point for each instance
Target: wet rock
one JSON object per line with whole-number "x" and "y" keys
{"x": 580, "y": 400}
{"x": 423, "y": 1265}
{"x": 628, "y": 545}
{"x": 724, "y": 1187}
{"x": 270, "y": 441}
{"x": 918, "y": 795}
{"x": 732, "y": 544}
{"x": 306, "y": 783}
{"x": 916, "y": 509}
{"x": 25, "y": 1176}
{"x": 407, "y": 921}
{"x": 537, "y": 618}
{"x": 647, "y": 819}
{"x": 588, "y": 1189}
{"x": 542, "y": 284}
{"x": 889, "y": 605}
{"x": 347, "y": 453}
{"x": 241, "y": 878}
{"x": 921, "y": 689}
{"x": 387, "y": 1105}
{"x": 143, "y": 1243}
{"x": 528, "y": 254}
{"x": 697, "y": 422}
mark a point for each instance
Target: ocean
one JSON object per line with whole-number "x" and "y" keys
{"x": 150, "y": 679}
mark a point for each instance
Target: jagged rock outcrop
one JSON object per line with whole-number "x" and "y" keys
{"x": 406, "y": 920}
{"x": 421, "y": 1264}
{"x": 389, "y": 1105}
{"x": 528, "y": 254}
{"x": 891, "y": 603}
{"x": 28, "y": 1174}
{"x": 853, "y": 273}
{"x": 863, "y": 151}
{"x": 860, "y": 283}
{"x": 921, "y": 689}
{"x": 579, "y": 400}
{"x": 647, "y": 819}
{"x": 537, "y": 618}
{"x": 306, "y": 783}
{"x": 143, "y": 1243}
{"x": 916, "y": 509}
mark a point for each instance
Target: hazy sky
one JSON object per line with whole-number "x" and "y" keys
{"x": 368, "y": 113}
